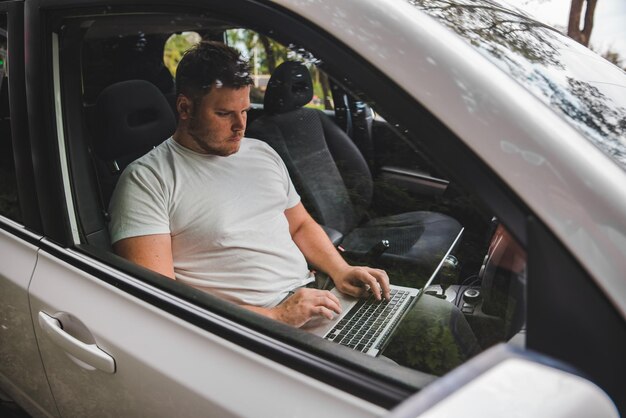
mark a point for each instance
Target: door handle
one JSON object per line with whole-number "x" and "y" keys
{"x": 88, "y": 353}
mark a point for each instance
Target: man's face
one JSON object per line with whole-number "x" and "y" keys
{"x": 215, "y": 124}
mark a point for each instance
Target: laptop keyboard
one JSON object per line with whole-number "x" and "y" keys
{"x": 365, "y": 322}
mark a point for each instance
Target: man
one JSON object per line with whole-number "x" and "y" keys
{"x": 218, "y": 211}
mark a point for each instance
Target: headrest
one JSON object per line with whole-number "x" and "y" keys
{"x": 289, "y": 88}
{"x": 131, "y": 117}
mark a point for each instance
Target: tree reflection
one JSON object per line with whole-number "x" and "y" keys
{"x": 596, "y": 113}
{"x": 531, "y": 53}
{"x": 495, "y": 30}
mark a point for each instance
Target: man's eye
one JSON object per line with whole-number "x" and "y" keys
{"x": 222, "y": 114}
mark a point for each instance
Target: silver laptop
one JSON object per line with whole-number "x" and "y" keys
{"x": 367, "y": 324}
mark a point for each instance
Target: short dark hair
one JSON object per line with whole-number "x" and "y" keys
{"x": 209, "y": 63}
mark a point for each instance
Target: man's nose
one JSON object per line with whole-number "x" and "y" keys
{"x": 239, "y": 123}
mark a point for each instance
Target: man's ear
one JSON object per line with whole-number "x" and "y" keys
{"x": 184, "y": 106}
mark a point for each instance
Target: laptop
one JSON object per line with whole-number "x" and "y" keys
{"x": 366, "y": 324}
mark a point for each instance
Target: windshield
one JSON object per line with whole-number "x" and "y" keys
{"x": 587, "y": 90}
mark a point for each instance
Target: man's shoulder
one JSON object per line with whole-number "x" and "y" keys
{"x": 154, "y": 157}
{"x": 154, "y": 163}
{"x": 253, "y": 143}
{"x": 258, "y": 147}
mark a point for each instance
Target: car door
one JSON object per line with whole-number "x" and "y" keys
{"x": 118, "y": 354}
{"x": 22, "y": 375}
{"x": 116, "y": 345}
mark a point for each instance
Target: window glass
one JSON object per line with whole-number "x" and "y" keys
{"x": 371, "y": 184}
{"x": 131, "y": 55}
{"x": 9, "y": 205}
{"x": 175, "y": 48}
{"x": 265, "y": 54}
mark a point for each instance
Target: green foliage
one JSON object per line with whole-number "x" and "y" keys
{"x": 264, "y": 54}
{"x": 175, "y": 48}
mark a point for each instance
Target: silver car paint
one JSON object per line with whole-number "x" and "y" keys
{"x": 531, "y": 390}
{"x": 569, "y": 184}
{"x": 21, "y": 369}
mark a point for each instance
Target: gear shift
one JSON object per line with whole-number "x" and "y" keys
{"x": 376, "y": 251}
{"x": 448, "y": 274}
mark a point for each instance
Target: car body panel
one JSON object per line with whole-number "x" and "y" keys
{"x": 164, "y": 365}
{"x": 503, "y": 123}
{"x": 503, "y": 378}
{"x": 534, "y": 389}
{"x": 21, "y": 369}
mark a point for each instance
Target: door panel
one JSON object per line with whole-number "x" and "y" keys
{"x": 163, "y": 365}
{"x": 21, "y": 371}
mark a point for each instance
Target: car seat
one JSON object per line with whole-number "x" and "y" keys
{"x": 130, "y": 118}
{"x": 335, "y": 182}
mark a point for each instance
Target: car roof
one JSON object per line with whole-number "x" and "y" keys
{"x": 554, "y": 168}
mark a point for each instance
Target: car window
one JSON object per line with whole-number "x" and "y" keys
{"x": 369, "y": 181}
{"x": 176, "y": 46}
{"x": 9, "y": 204}
{"x": 265, "y": 54}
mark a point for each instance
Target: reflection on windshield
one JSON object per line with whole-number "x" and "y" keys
{"x": 588, "y": 91}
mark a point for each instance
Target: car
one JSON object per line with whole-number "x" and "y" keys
{"x": 469, "y": 111}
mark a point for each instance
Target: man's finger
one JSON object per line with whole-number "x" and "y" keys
{"x": 378, "y": 281}
{"x": 327, "y": 294}
{"x": 325, "y": 312}
{"x": 383, "y": 281}
{"x": 359, "y": 290}
{"x": 372, "y": 282}
{"x": 332, "y": 305}
{"x": 332, "y": 297}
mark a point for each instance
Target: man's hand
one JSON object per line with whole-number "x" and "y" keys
{"x": 361, "y": 281}
{"x": 321, "y": 253}
{"x": 306, "y": 304}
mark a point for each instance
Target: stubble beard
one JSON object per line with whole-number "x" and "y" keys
{"x": 197, "y": 136}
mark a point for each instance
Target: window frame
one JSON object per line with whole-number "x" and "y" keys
{"x": 27, "y": 198}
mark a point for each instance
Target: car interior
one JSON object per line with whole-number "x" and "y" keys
{"x": 380, "y": 196}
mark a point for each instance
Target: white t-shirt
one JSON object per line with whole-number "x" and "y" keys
{"x": 225, "y": 215}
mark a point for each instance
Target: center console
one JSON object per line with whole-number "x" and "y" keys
{"x": 493, "y": 300}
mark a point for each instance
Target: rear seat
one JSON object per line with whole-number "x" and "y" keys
{"x": 129, "y": 119}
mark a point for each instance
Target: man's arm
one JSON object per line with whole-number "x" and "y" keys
{"x": 153, "y": 252}
{"x": 321, "y": 253}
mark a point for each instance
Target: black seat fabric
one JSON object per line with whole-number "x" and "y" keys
{"x": 335, "y": 182}
{"x": 130, "y": 118}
